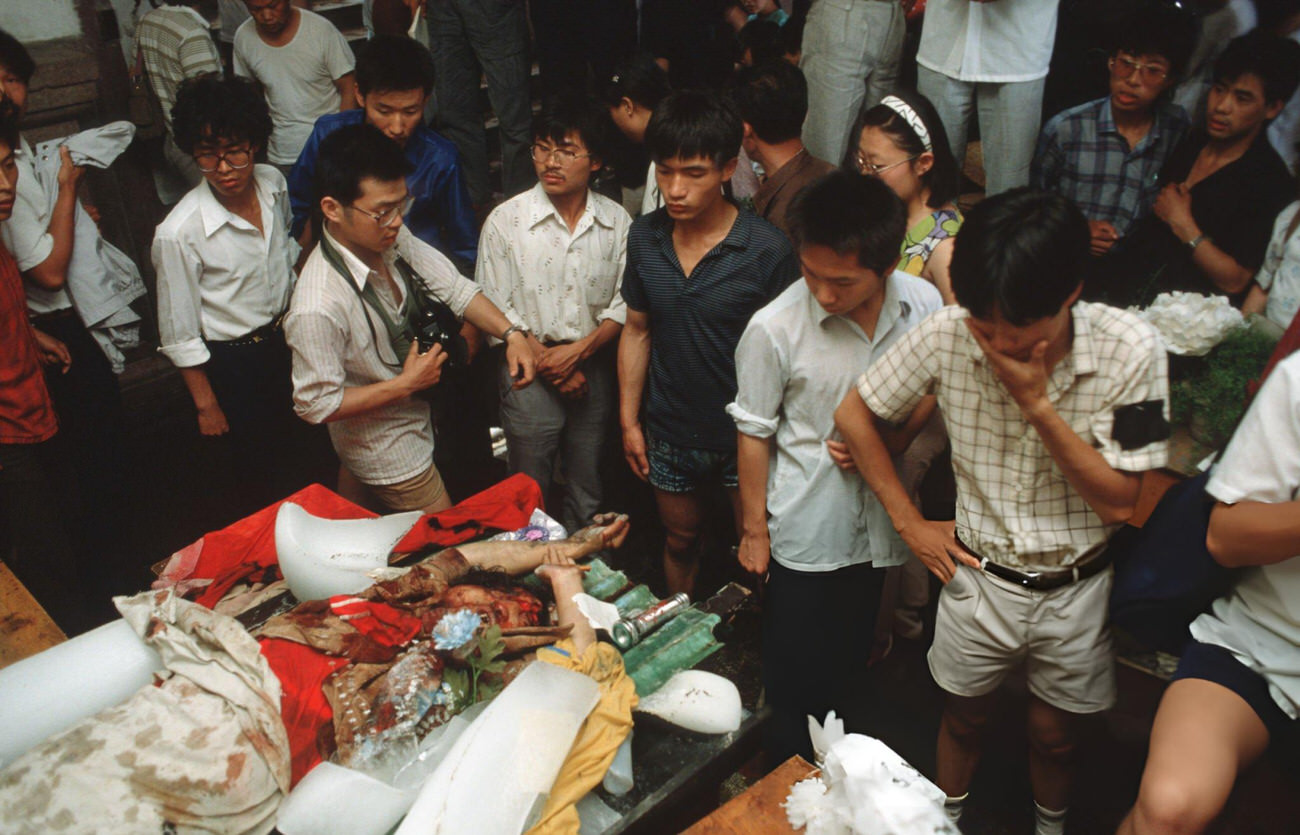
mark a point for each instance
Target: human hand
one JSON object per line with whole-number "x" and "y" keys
{"x": 420, "y": 371}
{"x": 69, "y": 174}
{"x": 935, "y": 544}
{"x": 557, "y": 363}
{"x": 52, "y": 351}
{"x": 634, "y": 451}
{"x": 520, "y": 360}
{"x": 755, "y": 552}
{"x": 212, "y": 420}
{"x": 839, "y": 452}
{"x": 1104, "y": 236}
{"x": 1024, "y": 380}
{"x": 1174, "y": 207}
{"x": 573, "y": 387}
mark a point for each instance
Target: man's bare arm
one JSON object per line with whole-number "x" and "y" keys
{"x": 52, "y": 273}
{"x": 753, "y": 456}
{"x": 633, "y": 364}
{"x": 1254, "y": 533}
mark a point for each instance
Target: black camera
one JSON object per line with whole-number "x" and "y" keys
{"x": 441, "y": 327}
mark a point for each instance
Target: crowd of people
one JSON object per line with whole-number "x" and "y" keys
{"x": 738, "y": 237}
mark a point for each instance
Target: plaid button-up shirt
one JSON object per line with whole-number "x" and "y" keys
{"x": 1014, "y": 505}
{"x": 1081, "y": 155}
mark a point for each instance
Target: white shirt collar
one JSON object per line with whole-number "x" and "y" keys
{"x": 215, "y": 215}
{"x": 540, "y": 208}
{"x": 892, "y": 309}
{"x": 359, "y": 271}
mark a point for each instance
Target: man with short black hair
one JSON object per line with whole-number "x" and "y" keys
{"x": 773, "y": 100}
{"x": 1222, "y": 187}
{"x": 1106, "y": 155}
{"x": 224, "y": 262}
{"x": 1054, "y": 408}
{"x": 810, "y": 525}
{"x": 696, "y": 270}
{"x": 394, "y": 80}
{"x": 305, "y": 65}
{"x": 552, "y": 259}
{"x": 364, "y": 296}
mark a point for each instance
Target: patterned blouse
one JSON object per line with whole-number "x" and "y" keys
{"x": 921, "y": 239}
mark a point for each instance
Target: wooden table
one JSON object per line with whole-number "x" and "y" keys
{"x": 758, "y": 809}
{"x": 25, "y": 628}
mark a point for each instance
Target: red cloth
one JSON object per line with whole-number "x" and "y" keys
{"x": 505, "y": 506}
{"x": 379, "y": 622}
{"x": 26, "y": 411}
{"x": 303, "y": 707}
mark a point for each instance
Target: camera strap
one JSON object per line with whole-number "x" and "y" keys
{"x": 401, "y": 330}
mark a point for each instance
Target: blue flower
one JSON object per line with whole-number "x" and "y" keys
{"x": 456, "y": 629}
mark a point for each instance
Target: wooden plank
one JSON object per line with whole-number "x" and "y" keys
{"x": 758, "y": 810}
{"x": 25, "y": 628}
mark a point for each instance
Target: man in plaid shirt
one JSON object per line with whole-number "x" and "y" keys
{"x": 1054, "y": 408}
{"x": 1106, "y": 155}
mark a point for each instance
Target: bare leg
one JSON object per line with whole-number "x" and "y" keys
{"x": 680, "y": 514}
{"x": 958, "y": 749}
{"x": 1051, "y": 751}
{"x": 1203, "y": 736}
{"x": 609, "y": 531}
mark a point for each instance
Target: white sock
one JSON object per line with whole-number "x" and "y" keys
{"x": 1048, "y": 822}
{"x": 953, "y": 807}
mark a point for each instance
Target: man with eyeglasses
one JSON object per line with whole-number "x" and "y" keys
{"x": 552, "y": 258}
{"x": 1220, "y": 190}
{"x": 224, "y": 264}
{"x": 357, "y": 365}
{"x": 1105, "y": 155}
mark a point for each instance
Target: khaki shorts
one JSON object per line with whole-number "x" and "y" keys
{"x": 424, "y": 492}
{"x": 987, "y": 626}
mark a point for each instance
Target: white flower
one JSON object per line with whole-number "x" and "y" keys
{"x": 1190, "y": 324}
{"x": 456, "y": 629}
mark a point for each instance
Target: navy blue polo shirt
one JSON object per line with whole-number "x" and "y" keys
{"x": 696, "y": 322}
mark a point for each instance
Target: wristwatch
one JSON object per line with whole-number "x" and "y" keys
{"x": 1195, "y": 242}
{"x": 513, "y": 329}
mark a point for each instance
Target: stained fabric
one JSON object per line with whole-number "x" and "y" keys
{"x": 202, "y": 751}
{"x": 608, "y": 724}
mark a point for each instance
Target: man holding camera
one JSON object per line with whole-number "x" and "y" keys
{"x": 363, "y": 326}
{"x": 553, "y": 258}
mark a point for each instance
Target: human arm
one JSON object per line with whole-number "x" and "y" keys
{"x": 1103, "y": 236}
{"x": 347, "y": 86}
{"x": 52, "y": 351}
{"x": 51, "y": 273}
{"x": 1174, "y": 207}
{"x": 212, "y": 420}
{"x": 566, "y": 581}
{"x": 1257, "y": 481}
{"x": 753, "y": 457}
{"x": 937, "y": 269}
{"x": 1110, "y": 492}
{"x": 1256, "y": 301}
{"x": 557, "y": 363}
{"x": 934, "y": 543}
{"x": 485, "y": 316}
{"x": 633, "y": 367}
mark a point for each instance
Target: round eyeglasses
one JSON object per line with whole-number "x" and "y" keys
{"x": 236, "y": 158}
{"x": 1121, "y": 66}
{"x": 564, "y": 156}
{"x": 874, "y": 170}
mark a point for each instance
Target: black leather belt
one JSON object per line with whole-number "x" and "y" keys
{"x": 267, "y": 331}
{"x": 1044, "y": 580}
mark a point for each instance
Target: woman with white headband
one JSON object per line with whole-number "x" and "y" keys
{"x": 902, "y": 141}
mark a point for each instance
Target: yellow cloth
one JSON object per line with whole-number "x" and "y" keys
{"x": 598, "y": 739}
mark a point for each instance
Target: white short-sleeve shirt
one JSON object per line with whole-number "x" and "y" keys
{"x": 794, "y": 364}
{"x": 1259, "y": 621}
{"x": 299, "y": 78}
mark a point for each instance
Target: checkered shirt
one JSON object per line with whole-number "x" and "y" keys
{"x": 1014, "y": 505}
{"x": 176, "y": 44}
{"x": 1081, "y": 155}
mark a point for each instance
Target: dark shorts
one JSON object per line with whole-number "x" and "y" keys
{"x": 679, "y": 469}
{"x": 1211, "y": 662}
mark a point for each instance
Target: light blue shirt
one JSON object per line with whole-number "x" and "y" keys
{"x": 794, "y": 364}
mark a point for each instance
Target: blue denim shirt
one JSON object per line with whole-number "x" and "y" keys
{"x": 441, "y": 216}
